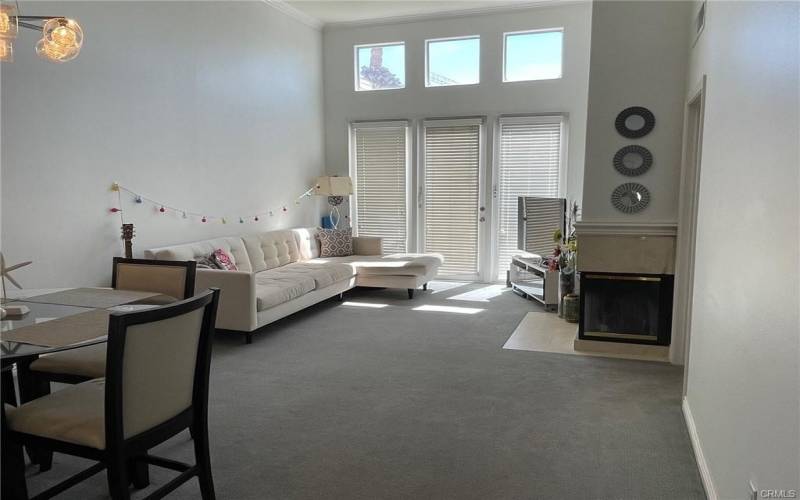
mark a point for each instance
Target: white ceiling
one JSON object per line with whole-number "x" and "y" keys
{"x": 351, "y": 11}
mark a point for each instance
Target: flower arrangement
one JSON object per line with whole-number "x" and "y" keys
{"x": 565, "y": 253}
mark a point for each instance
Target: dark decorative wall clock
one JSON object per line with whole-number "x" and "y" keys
{"x": 635, "y": 122}
{"x": 630, "y": 197}
{"x": 633, "y": 160}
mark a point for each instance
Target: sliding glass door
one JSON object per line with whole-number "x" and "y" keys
{"x": 450, "y": 192}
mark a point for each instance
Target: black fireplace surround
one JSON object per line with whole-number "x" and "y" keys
{"x": 633, "y": 308}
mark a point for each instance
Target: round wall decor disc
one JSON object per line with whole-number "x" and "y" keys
{"x": 630, "y": 197}
{"x": 635, "y": 122}
{"x": 633, "y": 160}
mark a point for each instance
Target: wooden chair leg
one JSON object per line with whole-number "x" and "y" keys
{"x": 12, "y": 483}
{"x": 8, "y": 388}
{"x": 44, "y": 458}
{"x": 139, "y": 474}
{"x": 203, "y": 461}
{"x": 33, "y": 386}
{"x": 118, "y": 478}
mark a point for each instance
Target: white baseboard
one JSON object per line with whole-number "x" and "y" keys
{"x": 705, "y": 473}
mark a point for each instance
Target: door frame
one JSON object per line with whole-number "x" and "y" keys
{"x": 483, "y": 227}
{"x": 687, "y": 226}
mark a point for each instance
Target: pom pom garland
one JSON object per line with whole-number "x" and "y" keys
{"x": 164, "y": 208}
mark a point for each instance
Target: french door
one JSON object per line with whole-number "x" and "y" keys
{"x": 381, "y": 176}
{"x": 450, "y": 192}
{"x": 529, "y": 161}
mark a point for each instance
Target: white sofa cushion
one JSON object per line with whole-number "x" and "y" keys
{"x": 274, "y": 287}
{"x": 407, "y": 264}
{"x": 323, "y": 273}
{"x": 271, "y": 249}
{"x": 307, "y": 242}
{"x": 193, "y": 251}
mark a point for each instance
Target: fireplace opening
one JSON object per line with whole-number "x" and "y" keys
{"x": 633, "y": 308}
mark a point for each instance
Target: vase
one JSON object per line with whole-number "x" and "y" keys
{"x": 571, "y": 308}
{"x": 567, "y": 282}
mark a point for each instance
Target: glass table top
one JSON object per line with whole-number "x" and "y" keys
{"x": 40, "y": 313}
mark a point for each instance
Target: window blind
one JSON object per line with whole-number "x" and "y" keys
{"x": 451, "y": 190}
{"x": 380, "y": 184}
{"x": 530, "y": 164}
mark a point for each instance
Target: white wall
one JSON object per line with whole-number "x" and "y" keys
{"x": 210, "y": 106}
{"x": 639, "y": 52}
{"x": 490, "y": 98}
{"x": 743, "y": 379}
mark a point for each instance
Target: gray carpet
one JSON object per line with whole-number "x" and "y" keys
{"x": 351, "y": 402}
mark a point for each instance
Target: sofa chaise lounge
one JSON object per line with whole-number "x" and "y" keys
{"x": 281, "y": 272}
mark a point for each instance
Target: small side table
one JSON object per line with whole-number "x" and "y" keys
{"x": 534, "y": 281}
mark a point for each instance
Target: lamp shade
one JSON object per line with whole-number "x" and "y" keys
{"x": 333, "y": 186}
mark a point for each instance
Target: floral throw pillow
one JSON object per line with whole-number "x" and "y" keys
{"x": 223, "y": 260}
{"x": 335, "y": 242}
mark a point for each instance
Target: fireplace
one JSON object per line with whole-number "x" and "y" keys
{"x": 622, "y": 307}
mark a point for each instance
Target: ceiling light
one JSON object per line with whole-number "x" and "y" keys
{"x": 6, "y": 51}
{"x": 62, "y": 38}
{"x": 63, "y": 32}
{"x": 9, "y": 26}
{"x": 55, "y": 52}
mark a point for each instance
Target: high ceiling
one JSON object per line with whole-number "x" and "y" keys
{"x": 347, "y": 11}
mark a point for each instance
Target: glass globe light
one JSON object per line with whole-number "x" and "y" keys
{"x": 6, "y": 51}
{"x": 63, "y": 32}
{"x": 55, "y": 52}
{"x": 9, "y": 27}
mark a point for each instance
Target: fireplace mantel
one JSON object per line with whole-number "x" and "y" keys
{"x": 617, "y": 228}
{"x": 626, "y": 247}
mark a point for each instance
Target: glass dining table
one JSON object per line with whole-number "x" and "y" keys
{"x": 59, "y": 321}
{"x": 11, "y": 350}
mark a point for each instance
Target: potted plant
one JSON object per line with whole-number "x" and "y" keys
{"x": 565, "y": 260}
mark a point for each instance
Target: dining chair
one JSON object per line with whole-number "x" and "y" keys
{"x": 170, "y": 278}
{"x": 173, "y": 278}
{"x": 156, "y": 386}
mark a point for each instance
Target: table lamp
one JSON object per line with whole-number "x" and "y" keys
{"x": 335, "y": 188}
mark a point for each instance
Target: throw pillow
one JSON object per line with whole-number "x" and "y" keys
{"x": 335, "y": 242}
{"x": 206, "y": 263}
{"x": 223, "y": 260}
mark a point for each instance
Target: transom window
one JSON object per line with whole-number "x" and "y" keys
{"x": 532, "y": 55}
{"x": 452, "y": 61}
{"x": 380, "y": 66}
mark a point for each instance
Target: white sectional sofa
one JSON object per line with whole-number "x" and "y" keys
{"x": 280, "y": 273}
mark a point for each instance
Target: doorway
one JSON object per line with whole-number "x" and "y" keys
{"x": 687, "y": 227}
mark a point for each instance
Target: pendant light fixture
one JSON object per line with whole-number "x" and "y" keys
{"x": 62, "y": 38}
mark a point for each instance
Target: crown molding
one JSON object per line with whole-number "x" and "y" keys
{"x": 298, "y": 15}
{"x": 489, "y": 9}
